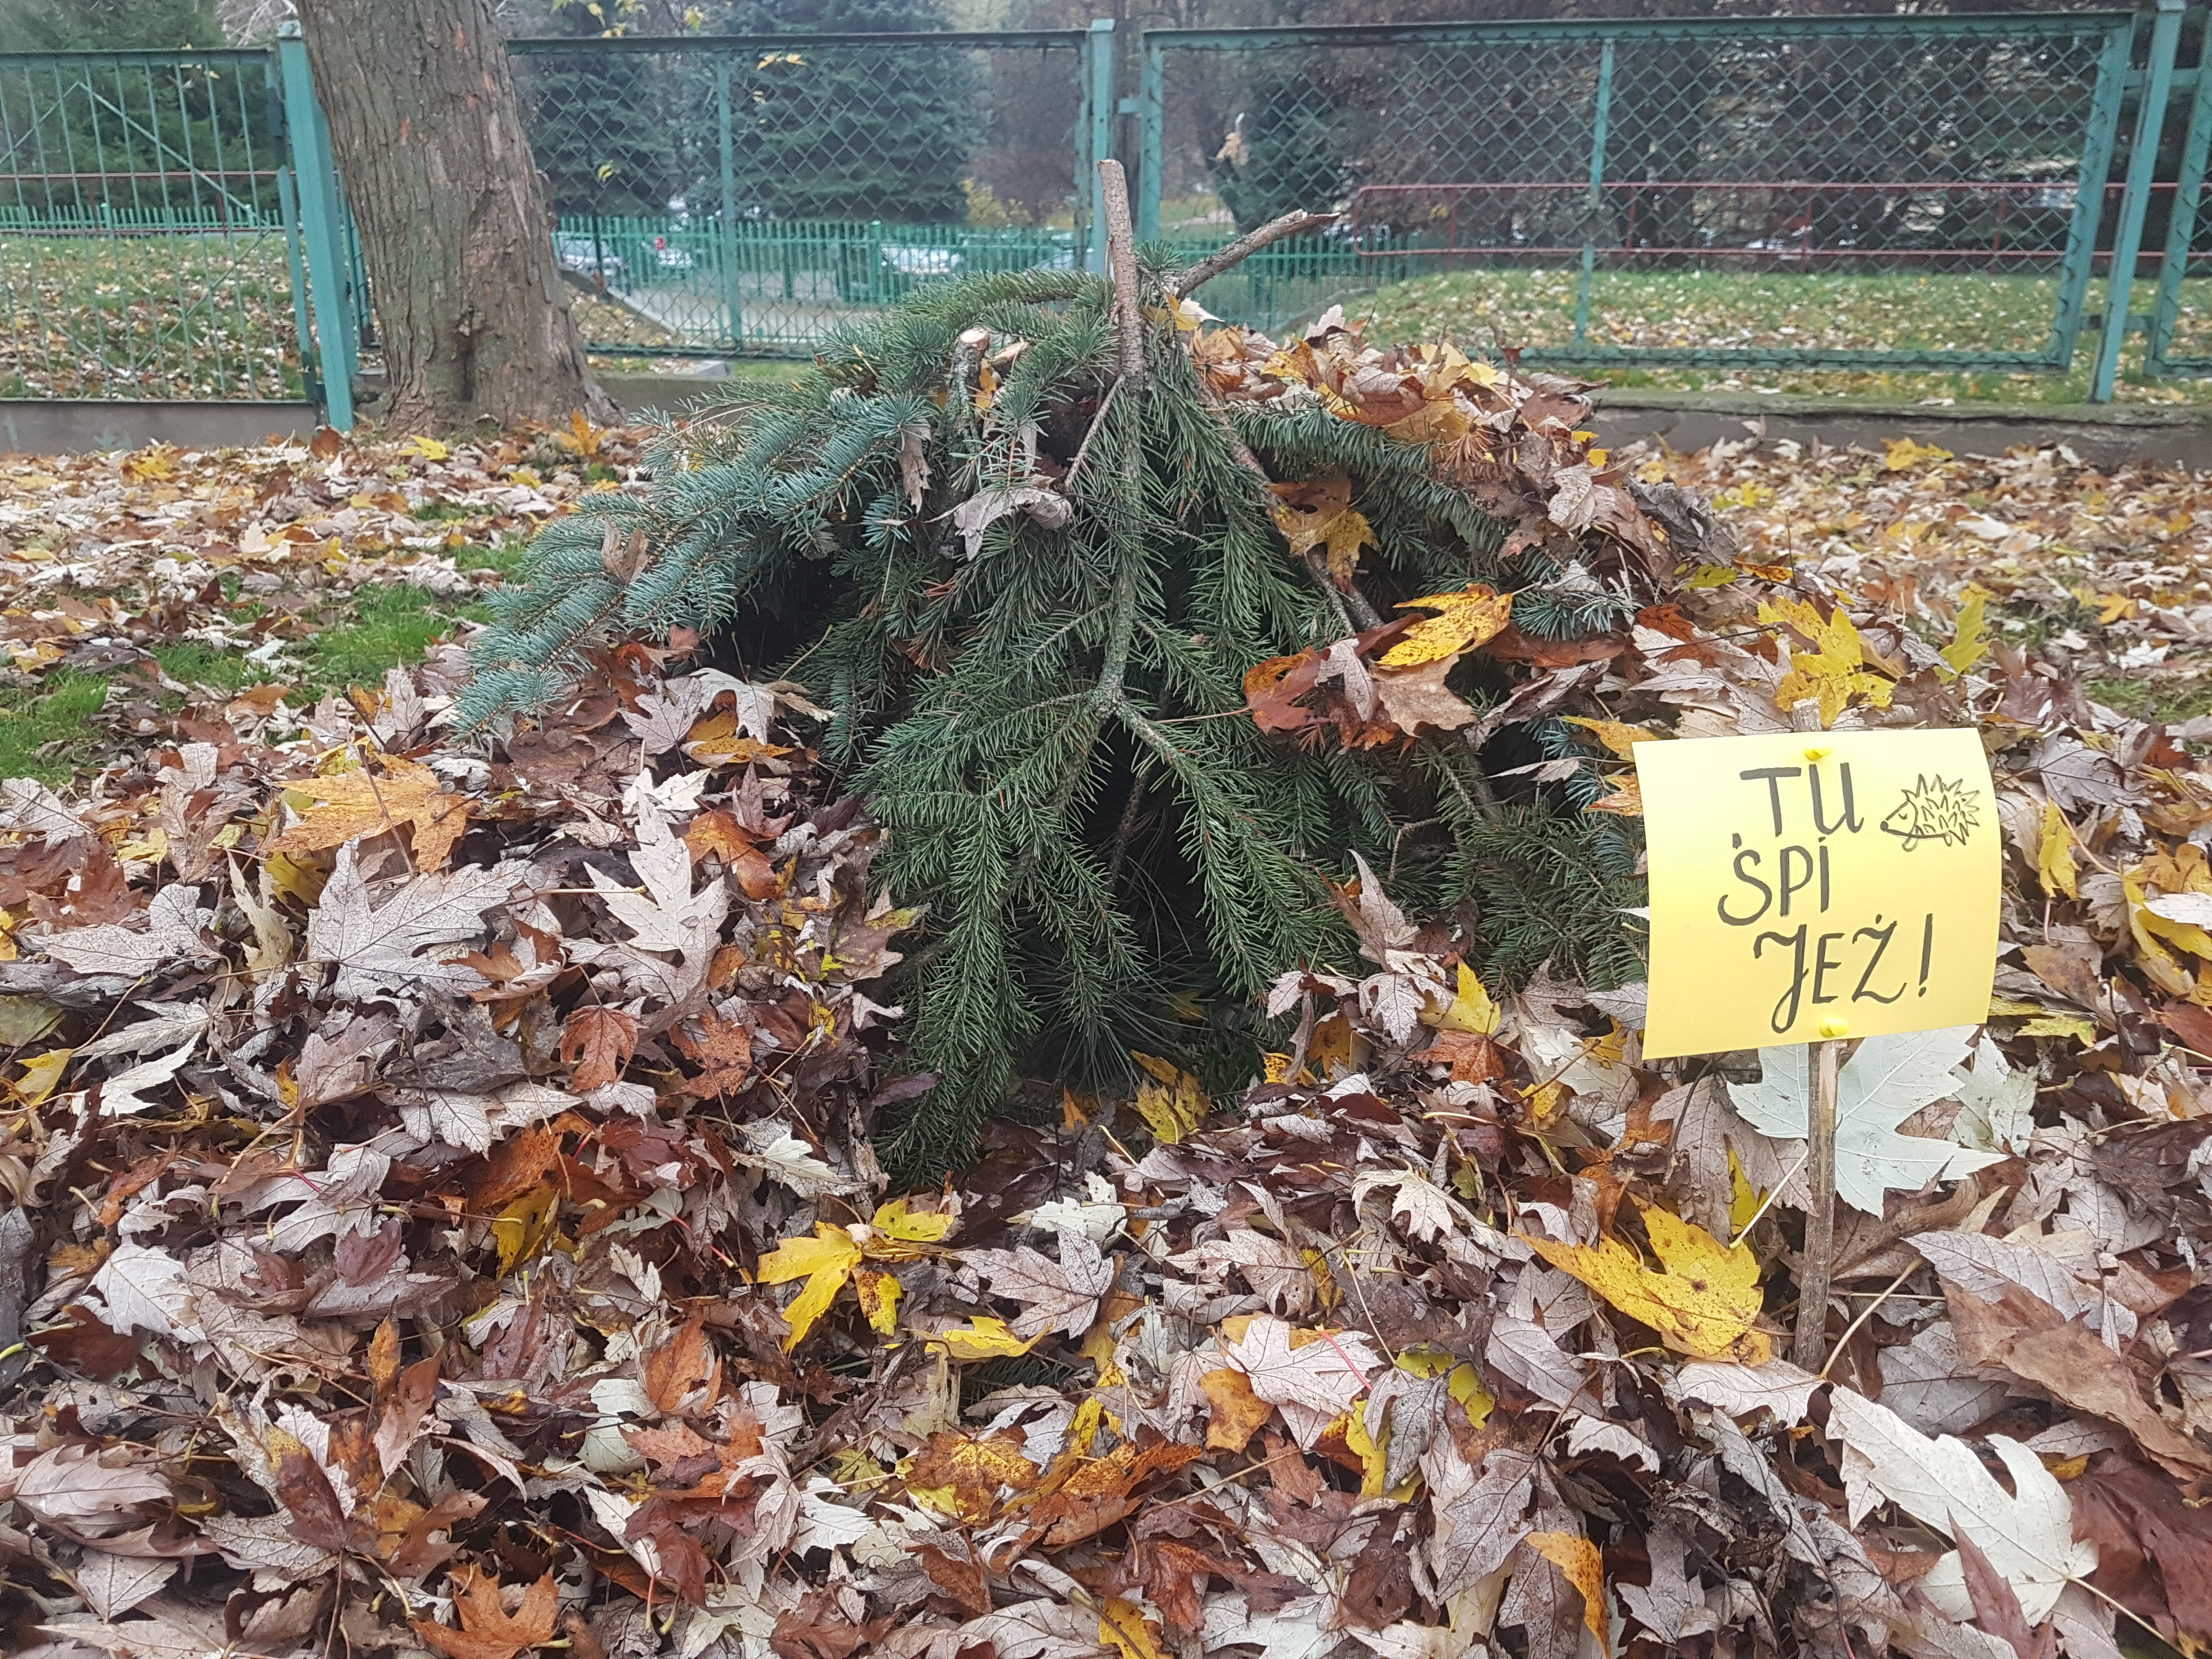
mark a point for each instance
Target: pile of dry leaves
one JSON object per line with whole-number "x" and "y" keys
{"x": 253, "y": 552}
{"x": 2108, "y": 572}
{"x": 443, "y": 1218}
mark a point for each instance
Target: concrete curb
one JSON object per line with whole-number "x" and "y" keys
{"x": 2105, "y": 435}
{"x": 2102, "y": 434}
{"x": 62, "y": 426}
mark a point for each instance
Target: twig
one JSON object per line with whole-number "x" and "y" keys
{"x": 1852, "y": 1329}
{"x": 1245, "y": 246}
{"x": 1128, "y": 322}
{"x": 1122, "y": 831}
{"x": 1121, "y": 257}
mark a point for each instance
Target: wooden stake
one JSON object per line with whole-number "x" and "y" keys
{"x": 1817, "y": 1263}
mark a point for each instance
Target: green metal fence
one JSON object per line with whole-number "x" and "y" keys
{"x": 1865, "y": 192}
{"x": 2179, "y": 329}
{"x": 1896, "y": 191}
{"x": 718, "y": 195}
{"x": 143, "y": 230}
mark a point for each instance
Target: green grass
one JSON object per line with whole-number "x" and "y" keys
{"x": 46, "y": 735}
{"x": 1780, "y": 310}
{"x": 2148, "y": 700}
{"x": 187, "y": 315}
{"x": 51, "y": 734}
{"x": 394, "y": 626}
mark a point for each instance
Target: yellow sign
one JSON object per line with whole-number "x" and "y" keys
{"x": 1817, "y": 884}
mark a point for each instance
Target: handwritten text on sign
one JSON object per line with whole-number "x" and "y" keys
{"x": 1815, "y": 885}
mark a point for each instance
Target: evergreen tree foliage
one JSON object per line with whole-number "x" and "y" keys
{"x": 855, "y": 132}
{"x": 599, "y": 126}
{"x": 1285, "y": 152}
{"x": 1053, "y": 726}
{"x": 108, "y": 25}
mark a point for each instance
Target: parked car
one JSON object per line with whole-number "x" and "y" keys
{"x": 586, "y": 258}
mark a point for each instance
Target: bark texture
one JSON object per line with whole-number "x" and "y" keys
{"x": 453, "y": 213}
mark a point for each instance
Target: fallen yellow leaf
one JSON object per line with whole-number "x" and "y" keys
{"x": 825, "y": 1262}
{"x": 894, "y": 1220}
{"x": 1121, "y": 1626}
{"x": 1470, "y": 1009}
{"x": 2055, "y": 861}
{"x": 1701, "y": 1301}
{"x": 360, "y": 803}
{"x": 1317, "y": 513}
{"x": 1617, "y": 735}
{"x": 1833, "y": 669}
{"x": 1462, "y": 621}
{"x": 1174, "y": 1104}
{"x": 1578, "y": 1559}
{"x": 986, "y": 1339}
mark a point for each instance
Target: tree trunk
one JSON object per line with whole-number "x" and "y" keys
{"x": 428, "y": 132}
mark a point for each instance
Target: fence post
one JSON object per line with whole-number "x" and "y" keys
{"x": 288, "y": 206}
{"x": 1152, "y": 122}
{"x": 316, "y": 176}
{"x": 2134, "y": 201}
{"x": 1098, "y": 111}
{"x": 732, "y": 319}
{"x": 2181, "y": 228}
{"x": 1601, "y": 120}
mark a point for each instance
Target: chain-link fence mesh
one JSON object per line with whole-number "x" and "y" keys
{"x": 755, "y": 195}
{"x": 143, "y": 245}
{"x": 1884, "y": 192}
{"x": 2179, "y": 228}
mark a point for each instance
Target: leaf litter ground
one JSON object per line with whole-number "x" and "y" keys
{"x": 443, "y": 1220}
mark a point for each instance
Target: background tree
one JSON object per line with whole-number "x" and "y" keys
{"x": 858, "y": 133}
{"x": 597, "y": 126}
{"x": 107, "y": 25}
{"x": 453, "y": 213}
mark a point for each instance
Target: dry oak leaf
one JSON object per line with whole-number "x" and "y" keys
{"x": 348, "y": 805}
{"x": 1702, "y": 1300}
{"x": 1579, "y": 1562}
{"x": 970, "y": 1470}
{"x": 174, "y": 920}
{"x": 2026, "y": 1533}
{"x": 2029, "y": 1338}
{"x": 1462, "y": 621}
{"x": 1313, "y": 1378}
{"x": 1415, "y": 696}
{"x": 487, "y": 1630}
{"x": 1103, "y": 1490}
{"x": 723, "y": 1050}
{"x": 88, "y": 1490}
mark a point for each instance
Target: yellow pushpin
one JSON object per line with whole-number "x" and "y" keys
{"x": 1832, "y": 1027}
{"x": 1819, "y": 752}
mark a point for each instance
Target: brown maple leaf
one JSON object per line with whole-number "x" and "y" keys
{"x": 360, "y": 803}
{"x": 596, "y": 1043}
{"x": 487, "y": 1630}
{"x": 722, "y": 1048}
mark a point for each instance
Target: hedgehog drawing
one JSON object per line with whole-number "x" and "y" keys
{"x": 1937, "y": 810}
